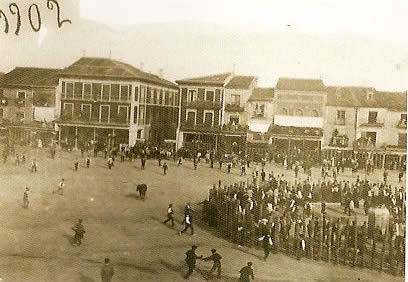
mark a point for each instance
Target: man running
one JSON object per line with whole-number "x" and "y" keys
{"x": 216, "y": 258}
{"x": 188, "y": 224}
{"x": 170, "y": 213}
{"x": 60, "y": 189}
{"x": 246, "y": 273}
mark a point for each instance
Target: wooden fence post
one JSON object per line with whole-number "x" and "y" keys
{"x": 320, "y": 240}
{"x": 311, "y": 238}
{"x": 373, "y": 252}
{"x": 384, "y": 243}
{"x": 354, "y": 242}
{"x": 329, "y": 246}
{"x": 338, "y": 240}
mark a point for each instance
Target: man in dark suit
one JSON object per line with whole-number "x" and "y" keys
{"x": 191, "y": 259}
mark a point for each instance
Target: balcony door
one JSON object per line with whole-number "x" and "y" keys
{"x": 104, "y": 113}
{"x": 123, "y": 114}
{"x": 68, "y": 111}
{"x": 191, "y": 117}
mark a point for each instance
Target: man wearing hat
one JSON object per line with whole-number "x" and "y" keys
{"x": 191, "y": 259}
{"x": 216, "y": 258}
{"x": 246, "y": 273}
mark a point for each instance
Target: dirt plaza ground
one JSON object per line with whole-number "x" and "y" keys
{"x": 36, "y": 243}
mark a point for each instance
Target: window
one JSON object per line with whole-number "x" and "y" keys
{"x": 209, "y": 96}
{"x": 139, "y": 134}
{"x": 192, "y": 95}
{"x": 70, "y": 90}
{"x": 123, "y": 114}
{"x": 402, "y": 140}
{"x": 114, "y": 92}
{"x": 105, "y": 92}
{"x": 372, "y": 117}
{"x": 314, "y": 113}
{"x": 124, "y": 93}
{"x": 1, "y": 113}
{"x": 259, "y": 110}
{"x": 148, "y": 96}
{"x": 155, "y": 98}
{"x": 68, "y": 110}
{"x": 142, "y": 94}
{"x": 78, "y": 90}
{"x": 168, "y": 98}
{"x": 104, "y": 114}
{"x": 177, "y": 99}
{"x": 160, "y": 96}
{"x": 21, "y": 95}
{"x": 371, "y": 137}
{"x": 136, "y": 93}
{"x": 341, "y": 115}
{"x": 96, "y": 91}
{"x": 20, "y": 116}
{"x": 299, "y": 112}
{"x": 283, "y": 112}
{"x": 234, "y": 120}
{"x": 191, "y": 117}
{"x": 208, "y": 118}
{"x": 370, "y": 96}
{"x": 87, "y": 91}
{"x": 235, "y": 100}
{"x": 403, "y": 116}
{"x": 86, "y": 111}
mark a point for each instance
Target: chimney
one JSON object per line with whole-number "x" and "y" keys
{"x": 161, "y": 73}
{"x": 233, "y": 68}
{"x": 141, "y": 66}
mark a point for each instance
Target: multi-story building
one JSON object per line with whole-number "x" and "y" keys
{"x": 213, "y": 112}
{"x": 260, "y": 112}
{"x": 28, "y": 105}
{"x": 111, "y": 102}
{"x": 298, "y": 114}
{"x": 361, "y": 121}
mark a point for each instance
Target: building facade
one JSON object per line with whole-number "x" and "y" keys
{"x": 111, "y": 103}
{"x": 299, "y": 114}
{"x": 28, "y": 105}
{"x": 213, "y": 112}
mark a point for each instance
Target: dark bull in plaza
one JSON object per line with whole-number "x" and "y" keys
{"x": 141, "y": 188}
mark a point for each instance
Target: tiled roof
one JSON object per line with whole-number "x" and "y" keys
{"x": 358, "y": 97}
{"x": 22, "y": 76}
{"x": 240, "y": 82}
{"x": 262, "y": 94}
{"x": 300, "y": 84}
{"x": 216, "y": 79}
{"x": 109, "y": 68}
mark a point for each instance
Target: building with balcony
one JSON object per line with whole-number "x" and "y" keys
{"x": 211, "y": 119}
{"x": 260, "y": 112}
{"x": 28, "y": 105}
{"x": 110, "y": 103}
{"x": 361, "y": 121}
{"x": 299, "y": 112}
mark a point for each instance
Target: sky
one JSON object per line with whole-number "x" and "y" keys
{"x": 385, "y": 20}
{"x": 347, "y": 42}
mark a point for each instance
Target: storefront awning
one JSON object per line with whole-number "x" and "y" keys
{"x": 259, "y": 125}
{"x": 299, "y": 121}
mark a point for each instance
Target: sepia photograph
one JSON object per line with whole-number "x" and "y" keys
{"x": 191, "y": 140}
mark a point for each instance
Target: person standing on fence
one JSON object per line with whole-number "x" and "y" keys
{"x": 246, "y": 273}
{"x": 266, "y": 245}
{"x": 216, "y": 258}
{"x": 191, "y": 259}
{"x": 170, "y": 213}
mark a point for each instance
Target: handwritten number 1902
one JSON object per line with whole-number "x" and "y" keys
{"x": 34, "y": 16}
